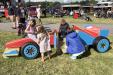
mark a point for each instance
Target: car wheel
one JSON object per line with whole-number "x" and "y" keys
{"x": 30, "y": 50}
{"x": 101, "y": 44}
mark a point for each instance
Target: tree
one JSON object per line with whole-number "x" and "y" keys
{"x": 109, "y": 0}
{"x": 88, "y": 2}
{"x": 57, "y": 4}
{"x": 83, "y": 3}
{"x": 1, "y": 0}
{"x": 93, "y": 1}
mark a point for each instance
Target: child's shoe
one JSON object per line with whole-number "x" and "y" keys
{"x": 73, "y": 57}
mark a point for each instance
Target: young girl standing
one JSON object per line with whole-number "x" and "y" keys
{"x": 43, "y": 42}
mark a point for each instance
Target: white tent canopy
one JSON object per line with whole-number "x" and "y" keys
{"x": 67, "y": 1}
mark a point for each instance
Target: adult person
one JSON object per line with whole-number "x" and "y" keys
{"x": 11, "y": 12}
{"x": 44, "y": 12}
{"x": 21, "y": 19}
{"x": 109, "y": 12}
{"x": 38, "y": 10}
{"x": 99, "y": 13}
{"x": 16, "y": 16}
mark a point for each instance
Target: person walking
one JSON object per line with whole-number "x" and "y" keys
{"x": 11, "y": 12}
{"x": 38, "y": 10}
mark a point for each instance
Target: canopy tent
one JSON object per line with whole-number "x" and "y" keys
{"x": 67, "y": 1}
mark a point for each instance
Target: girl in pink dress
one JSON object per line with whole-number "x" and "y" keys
{"x": 31, "y": 29}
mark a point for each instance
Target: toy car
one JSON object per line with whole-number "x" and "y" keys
{"x": 94, "y": 36}
{"x": 25, "y": 47}
{"x": 90, "y": 35}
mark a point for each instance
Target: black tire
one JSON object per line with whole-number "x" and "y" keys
{"x": 30, "y": 50}
{"x": 101, "y": 44}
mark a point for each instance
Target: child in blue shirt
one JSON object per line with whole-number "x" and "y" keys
{"x": 74, "y": 44}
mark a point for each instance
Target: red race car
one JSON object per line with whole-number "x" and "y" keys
{"x": 28, "y": 48}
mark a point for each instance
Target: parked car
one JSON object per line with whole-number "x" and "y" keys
{"x": 32, "y": 11}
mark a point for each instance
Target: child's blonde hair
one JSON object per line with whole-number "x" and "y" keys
{"x": 63, "y": 21}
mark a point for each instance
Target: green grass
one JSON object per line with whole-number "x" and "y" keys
{"x": 94, "y": 64}
{"x": 70, "y": 19}
{"x": 4, "y": 20}
{"x": 51, "y": 20}
{"x": 5, "y": 37}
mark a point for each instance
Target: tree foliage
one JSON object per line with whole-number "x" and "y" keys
{"x": 84, "y": 2}
{"x": 1, "y": 0}
{"x": 88, "y": 2}
{"x": 45, "y": 4}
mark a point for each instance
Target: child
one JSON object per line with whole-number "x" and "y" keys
{"x": 43, "y": 41}
{"x": 74, "y": 45}
{"x": 62, "y": 34}
{"x": 31, "y": 29}
{"x": 63, "y": 29}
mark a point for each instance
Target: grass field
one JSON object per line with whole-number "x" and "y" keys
{"x": 94, "y": 64}
{"x": 70, "y": 19}
{"x": 50, "y": 20}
